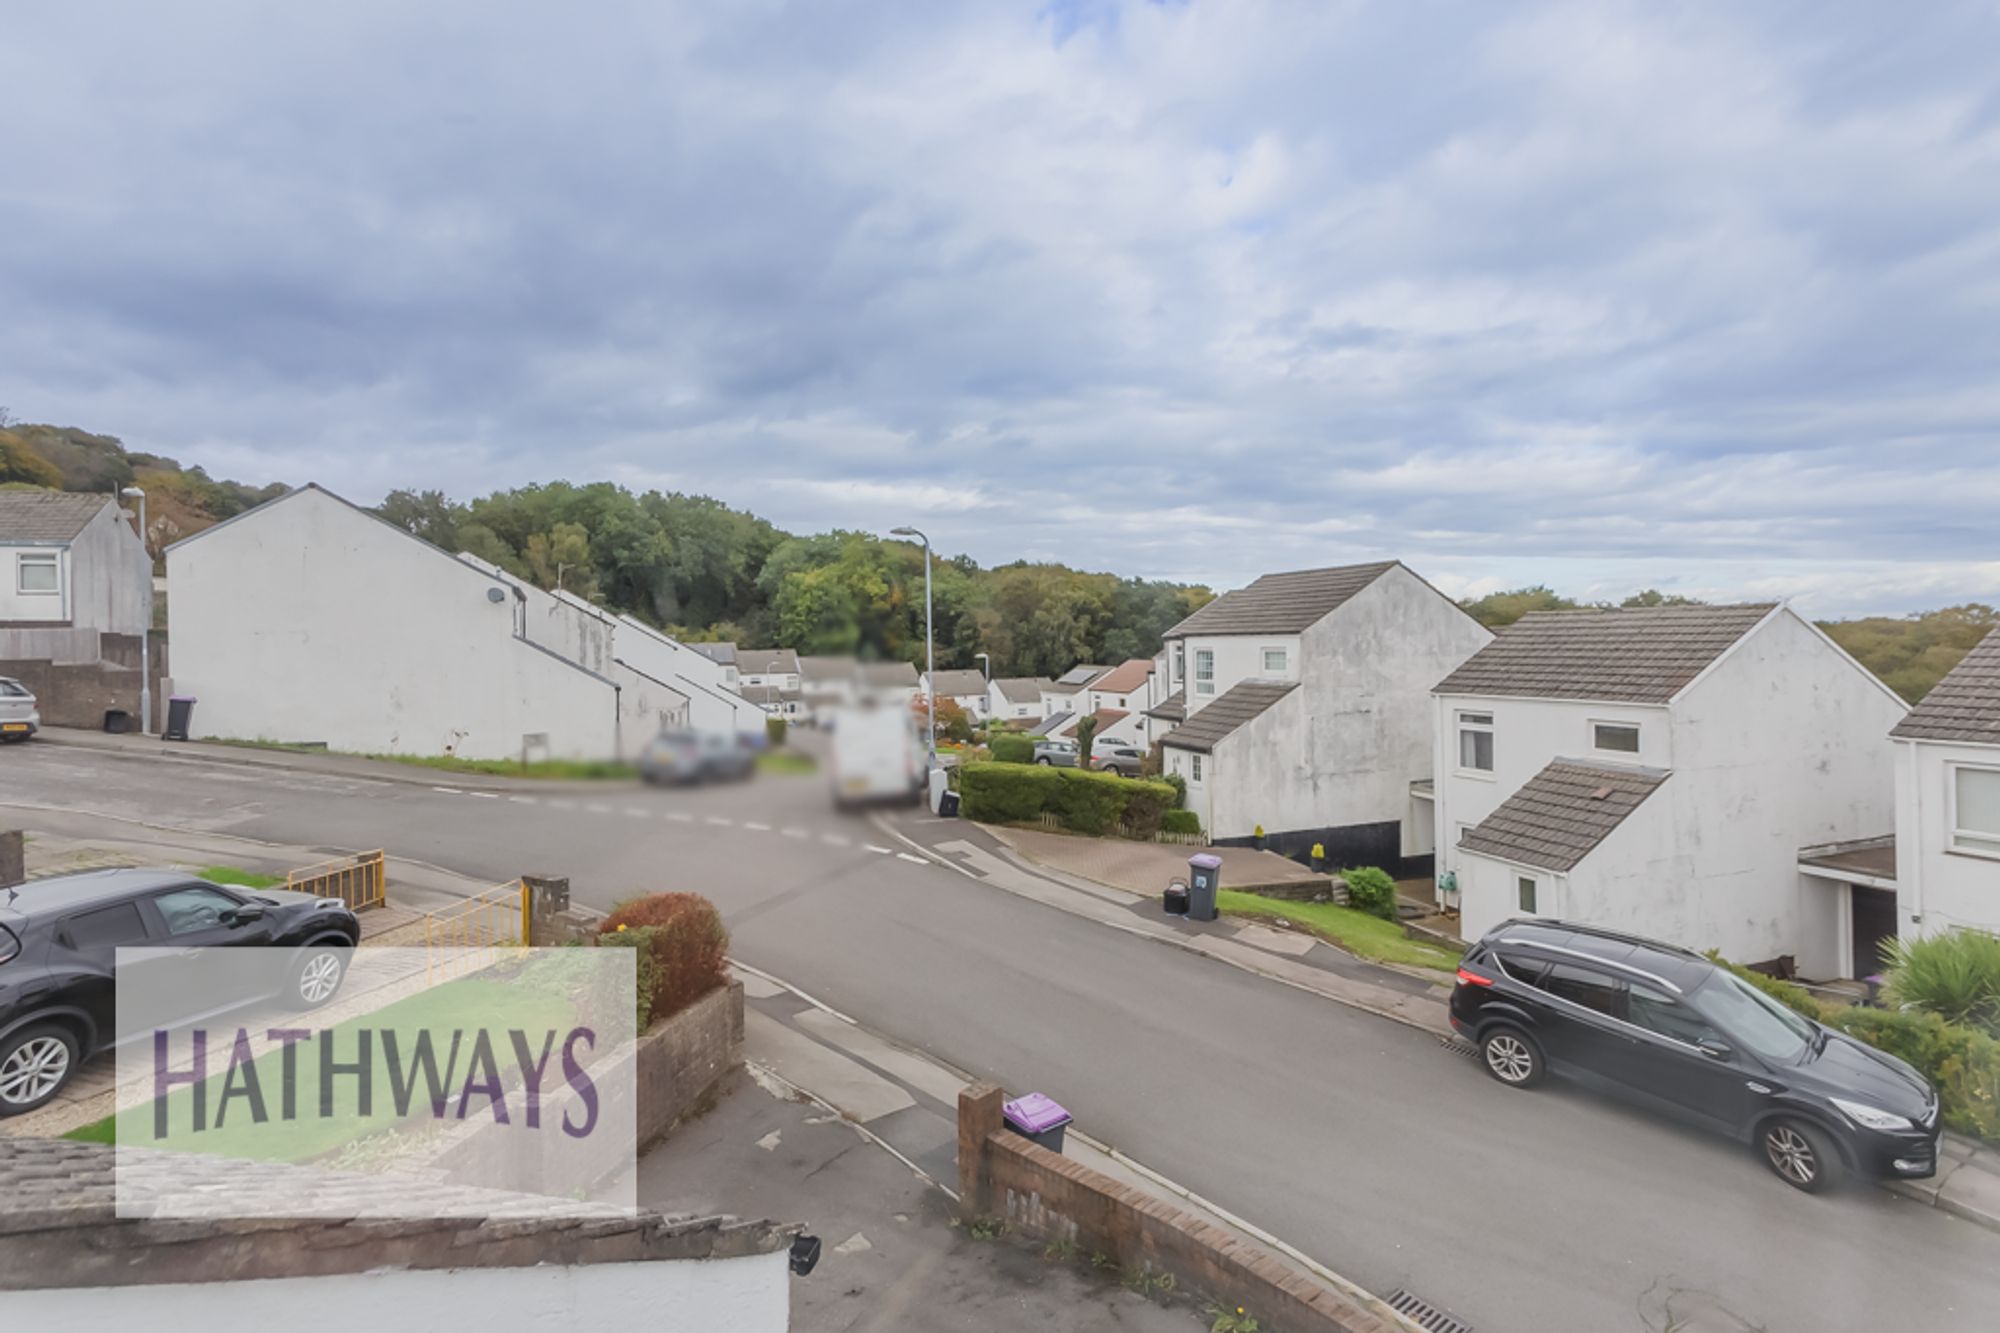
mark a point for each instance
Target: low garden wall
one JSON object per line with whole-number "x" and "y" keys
{"x": 1044, "y": 1194}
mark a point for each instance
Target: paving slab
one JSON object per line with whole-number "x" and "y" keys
{"x": 855, "y": 1091}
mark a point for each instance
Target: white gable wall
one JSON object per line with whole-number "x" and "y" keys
{"x": 1939, "y": 888}
{"x": 711, "y": 704}
{"x": 309, "y": 620}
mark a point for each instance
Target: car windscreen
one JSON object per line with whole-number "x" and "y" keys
{"x": 11, "y": 689}
{"x": 1753, "y": 1019}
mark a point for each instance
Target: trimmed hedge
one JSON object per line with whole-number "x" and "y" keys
{"x": 684, "y": 941}
{"x": 1085, "y": 802}
{"x": 1013, "y": 749}
{"x": 1180, "y": 821}
{"x": 774, "y": 731}
{"x": 1371, "y": 890}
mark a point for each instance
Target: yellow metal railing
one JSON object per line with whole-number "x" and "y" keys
{"x": 472, "y": 935}
{"x": 361, "y": 881}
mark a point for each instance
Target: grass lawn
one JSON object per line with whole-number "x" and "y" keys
{"x": 469, "y": 1006}
{"x": 785, "y": 761}
{"x": 446, "y": 763}
{"x": 242, "y": 879}
{"x": 1357, "y": 932}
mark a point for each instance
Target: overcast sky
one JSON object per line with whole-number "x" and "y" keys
{"x": 1705, "y": 297}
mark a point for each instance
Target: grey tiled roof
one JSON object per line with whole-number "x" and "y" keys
{"x": 1965, "y": 705}
{"x": 822, "y": 670}
{"x": 1238, "y": 705}
{"x": 1173, "y": 708}
{"x": 767, "y": 662}
{"x": 1023, "y": 689}
{"x": 724, "y": 652}
{"x": 47, "y": 516}
{"x": 1562, "y": 813}
{"x": 1635, "y": 655}
{"x": 1281, "y": 603}
{"x": 957, "y": 684}
{"x": 889, "y": 675}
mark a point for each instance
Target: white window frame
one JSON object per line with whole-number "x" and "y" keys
{"x": 1965, "y": 841}
{"x": 1464, "y": 723}
{"x": 1598, "y": 724}
{"x": 1532, "y": 888}
{"x": 1194, "y": 766}
{"x": 1180, "y": 664}
{"x": 1204, "y": 657}
{"x": 1284, "y": 660}
{"x": 49, "y": 560}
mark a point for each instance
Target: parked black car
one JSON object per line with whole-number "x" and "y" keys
{"x": 58, "y": 943}
{"x": 1672, "y": 1030}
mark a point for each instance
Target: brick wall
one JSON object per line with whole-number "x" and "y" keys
{"x": 77, "y": 694}
{"x": 1002, "y": 1174}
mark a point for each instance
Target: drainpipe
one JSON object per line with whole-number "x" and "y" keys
{"x": 1916, "y": 857}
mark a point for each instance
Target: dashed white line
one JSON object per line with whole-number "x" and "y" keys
{"x": 680, "y": 817}
{"x": 905, "y": 856}
{"x": 755, "y": 827}
{"x": 879, "y": 851}
{"x": 453, "y": 791}
{"x": 718, "y": 821}
{"x": 522, "y": 800}
{"x": 485, "y": 795}
{"x": 795, "y": 833}
{"x": 833, "y": 839}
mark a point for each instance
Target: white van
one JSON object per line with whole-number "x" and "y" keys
{"x": 877, "y": 756}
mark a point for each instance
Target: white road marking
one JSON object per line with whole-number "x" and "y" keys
{"x": 680, "y": 817}
{"x": 718, "y": 821}
{"x": 485, "y": 795}
{"x": 598, "y": 809}
{"x": 833, "y": 839}
{"x": 453, "y": 791}
{"x": 905, "y": 856}
{"x": 795, "y": 833}
{"x": 522, "y": 800}
{"x": 879, "y": 851}
{"x": 755, "y": 827}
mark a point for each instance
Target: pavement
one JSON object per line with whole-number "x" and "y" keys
{"x": 1369, "y": 1146}
{"x": 1147, "y": 867}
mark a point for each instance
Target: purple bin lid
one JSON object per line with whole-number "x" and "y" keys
{"x": 1206, "y": 860}
{"x": 1034, "y": 1113}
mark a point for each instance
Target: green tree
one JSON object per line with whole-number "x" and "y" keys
{"x": 1912, "y": 653}
{"x": 426, "y": 514}
{"x": 1654, "y": 597}
{"x": 1086, "y": 732}
{"x": 19, "y": 463}
{"x": 560, "y": 558}
{"x": 1504, "y": 608}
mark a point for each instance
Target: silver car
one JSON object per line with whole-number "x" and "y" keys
{"x": 18, "y": 716}
{"x": 1124, "y": 757}
{"x": 1055, "y": 754}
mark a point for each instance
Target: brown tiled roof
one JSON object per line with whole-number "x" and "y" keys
{"x": 1124, "y": 678}
{"x": 1238, "y": 705}
{"x": 1105, "y": 717}
{"x": 1173, "y": 708}
{"x": 1281, "y": 603}
{"x": 1641, "y": 655}
{"x": 1965, "y": 705}
{"x": 1562, "y": 813}
{"x": 47, "y": 516}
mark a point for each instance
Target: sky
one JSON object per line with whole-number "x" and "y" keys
{"x": 1698, "y": 297}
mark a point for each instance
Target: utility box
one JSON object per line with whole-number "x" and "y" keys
{"x": 1204, "y": 882}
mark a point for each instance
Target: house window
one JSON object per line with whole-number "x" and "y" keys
{"x": 1622, "y": 737}
{"x": 1194, "y": 767}
{"x": 1525, "y": 887}
{"x": 1475, "y": 742}
{"x": 38, "y": 574}
{"x": 1274, "y": 660}
{"x": 1975, "y": 808}
{"x": 1204, "y": 671}
{"x": 1180, "y": 663}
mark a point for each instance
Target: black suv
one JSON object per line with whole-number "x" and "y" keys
{"x": 59, "y": 937}
{"x": 1675, "y": 1031}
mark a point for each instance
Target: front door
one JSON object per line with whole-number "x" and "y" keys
{"x": 1874, "y": 918}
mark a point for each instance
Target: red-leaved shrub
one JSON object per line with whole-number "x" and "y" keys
{"x": 687, "y": 943}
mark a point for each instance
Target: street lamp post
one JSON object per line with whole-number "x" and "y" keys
{"x": 146, "y": 633}
{"x": 930, "y": 661}
{"x": 985, "y": 665}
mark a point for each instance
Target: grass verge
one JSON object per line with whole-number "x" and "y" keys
{"x": 242, "y": 879}
{"x": 1360, "y": 934}
{"x": 785, "y": 761}
{"x": 563, "y": 769}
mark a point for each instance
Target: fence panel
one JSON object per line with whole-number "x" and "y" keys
{"x": 361, "y": 881}
{"x": 478, "y": 932}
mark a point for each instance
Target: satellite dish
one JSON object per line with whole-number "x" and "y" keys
{"x": 495, "y": 595}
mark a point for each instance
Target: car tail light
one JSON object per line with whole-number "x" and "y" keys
{"x": 1466, "y": 978}
{"x": 9, "y": 944}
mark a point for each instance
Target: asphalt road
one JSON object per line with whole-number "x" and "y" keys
{"x": 1360, "y": 1141}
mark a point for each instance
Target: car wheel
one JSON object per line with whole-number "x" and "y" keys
{"x": 1511, "y": 1056}
{"x": 1043, "y": 762}
{"x": 316, "y": 977}
{"x": 1802, "y": 1155}
{"x": 35, "y": 1063}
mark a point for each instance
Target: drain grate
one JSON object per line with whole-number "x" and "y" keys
{"x": 1458, "y": 1047}
{"x": 1426, "y": 1315}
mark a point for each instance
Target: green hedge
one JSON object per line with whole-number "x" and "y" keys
{"x": 1085, "y": 802}
{"x": 1013, "y": 749}
{"x": 1180, "y": 821}
{"x": 1371, "y": 890}
{"x": 1790, "y": 994}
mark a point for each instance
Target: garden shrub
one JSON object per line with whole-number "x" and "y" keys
{"x": 1013, "y": 749}
{"x": 1145, "y": 807}
{"x": 994, "y": 793}
{"x": 1179, "y": 784}
{"x": 774, "y": 730}
{"x": 1790, "y": 994}
{"x": 1955, "y": 975}
{"x": 1180, "y": 821}
{"x": 1371, "y": 890}
{"x": 688, "y": 946}
{"x": 1963, "y": 1062}
{"x": 646, "y": 970}
{"x": 1086, "y": 802}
